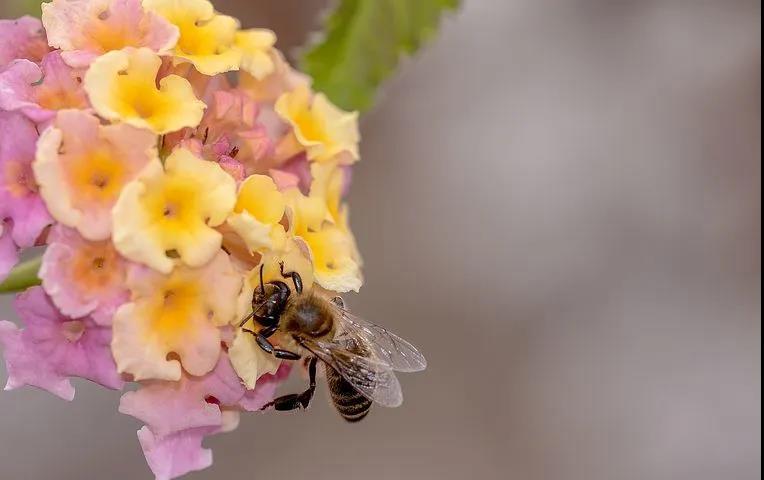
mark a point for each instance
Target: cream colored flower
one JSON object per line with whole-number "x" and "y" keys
{"x": 178, "y": 314}
{"x": 172, "y": 211}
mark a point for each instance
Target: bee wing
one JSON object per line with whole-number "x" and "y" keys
{"x": 374, "y": 379}
{"x": 388, "y": 347}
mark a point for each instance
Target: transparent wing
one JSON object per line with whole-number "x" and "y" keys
{"x": 374, "y": 379}
{"x": 388, "y": 347}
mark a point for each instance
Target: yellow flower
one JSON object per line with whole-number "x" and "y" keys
{"x": 122, "y": 86}
{"x": 330, "y": 243}
{"x": 258, "y": 213}
{"x": 329, "y": 184}
{"x": 247, "y": 358}
{"x": 257, "y": 52}
{"x": 323, "y": 130}
{"x": 178, "y": 314}
{"x": 171, "y": 211}
{"x": 213, "y": 42}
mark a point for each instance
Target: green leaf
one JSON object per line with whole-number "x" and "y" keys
{"x": 18, "y": 8}
{"x": 364, "y": 42}
{"x": 22, "y": 277}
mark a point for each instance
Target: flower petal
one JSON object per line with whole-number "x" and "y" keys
{"x": 83, "y": 278}
{"x": 19, "y": 197}
{"x": 174, "y": 209}
{"x": 23, "y": 38}
{"x": 86, "y": 29}
{"x": 26, "y": 367}
{"x": 53, "y": 347}
{"x": 176, "y": 455}
{"x": 82, "y": 166}
{"x": 39, "y": 91}
{"x": 206, "y": 38}
{"x": 180, "y": 314}
{"x": 122, "y": 85}
{"x": 256, "y": 47}
{"x": 325, "y": 131}
{"x": 249, "y": 360}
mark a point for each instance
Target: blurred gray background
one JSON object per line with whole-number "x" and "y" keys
{"x": 559, "y": 201}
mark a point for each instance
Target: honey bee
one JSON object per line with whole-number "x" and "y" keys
{"x": 361, "y": 358}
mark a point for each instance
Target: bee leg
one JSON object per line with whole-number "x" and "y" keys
{"x": 285, "y": 354}
{"x": 296, "y": 278}
{"x": 296, "y": 401}
{"x": 262, "y": 341}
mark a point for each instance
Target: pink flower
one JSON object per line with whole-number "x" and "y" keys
{"x": 230, "y": 131}
{"x": 39, "y": 92}
{"x": 175, "y": 455}
{"x": 83, "y": 166}
{"x": 179, "y": 415}
{"x": 86, "y": 29}
{"x": 20, "y": 201}
{"x": 83, "y": 278}
{"x": 193, "y": 402}
{"x": 23, "y": 38}
{"x": 52, "y": 348}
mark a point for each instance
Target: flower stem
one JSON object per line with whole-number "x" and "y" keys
{"x": 22, "y": 277}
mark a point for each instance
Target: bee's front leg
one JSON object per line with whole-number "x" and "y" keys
{"x": 262, "y": 341}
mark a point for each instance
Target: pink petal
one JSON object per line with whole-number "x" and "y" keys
{"x": 97, "y": 291}
{"x": 39, "y": 91}
{"x": 194, "y": 402}
{"x": 300, "y": 168}
{"x": 175, "y": 455}
{"x": 23, "y": 38}
{"x": 284, "y": 180}
{"x": 20, "y": 201}
{"x": 79, "y": 26}
{"x": 27, "y": 367}
{"x": 265, "y": 390}
{"x": 52, "y": 348}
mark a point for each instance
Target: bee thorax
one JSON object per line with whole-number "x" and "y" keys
{"x": 309, "y": 315}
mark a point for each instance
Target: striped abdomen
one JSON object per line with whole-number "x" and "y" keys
{"x": 351, "y": 404}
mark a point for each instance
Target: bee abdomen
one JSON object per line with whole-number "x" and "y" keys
{"x": 348, "y": 401}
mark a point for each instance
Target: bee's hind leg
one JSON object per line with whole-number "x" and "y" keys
{"x": 296, "y": 401}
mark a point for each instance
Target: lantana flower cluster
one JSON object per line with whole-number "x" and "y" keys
{"x": 161, "y": 154}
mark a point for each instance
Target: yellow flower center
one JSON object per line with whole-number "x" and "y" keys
{"x": 175, "y": 305}
{"x": 311, "y": 127}
{"x": 139, "y": 96}
{"x": 97, "y": 177}
{"x": 105, "y": 38}
{"x": 174, "y": 208}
